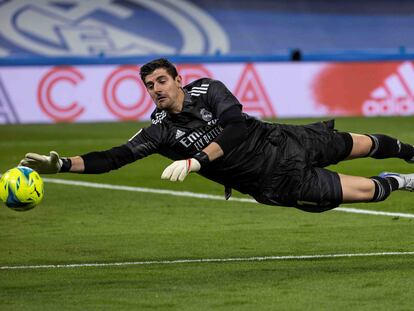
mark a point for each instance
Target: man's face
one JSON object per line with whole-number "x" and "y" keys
{"x": 164, "y": 90}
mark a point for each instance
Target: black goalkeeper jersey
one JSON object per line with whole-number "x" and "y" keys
{"x": 180, "y": 136}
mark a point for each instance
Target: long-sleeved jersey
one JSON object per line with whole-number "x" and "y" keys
{"x": 276, "y": 164}
{"x": 180, "y": 136}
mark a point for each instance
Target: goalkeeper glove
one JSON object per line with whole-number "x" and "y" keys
{"x": 179, "y": 170}
{"x": 43, "y": 164}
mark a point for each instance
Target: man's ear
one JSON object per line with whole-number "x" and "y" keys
{"x": 178, "y": 80}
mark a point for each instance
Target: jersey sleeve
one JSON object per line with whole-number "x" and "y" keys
{"x": 146, "y": 141}
{"x": 220, "y": 98}
{"x": 142, "y": 144}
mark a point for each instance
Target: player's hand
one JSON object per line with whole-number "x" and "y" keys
{"x": 179, "y": 170}
{"x": 43, "y": 164}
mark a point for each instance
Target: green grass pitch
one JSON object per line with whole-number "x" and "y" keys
{"x": 80, "y": 225}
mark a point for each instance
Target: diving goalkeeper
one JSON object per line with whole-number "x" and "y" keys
{"x": 201, "y": 128}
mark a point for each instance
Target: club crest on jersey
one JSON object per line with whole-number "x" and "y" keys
{"x": 159, "y": 116}
{"x": 206, "y": 115}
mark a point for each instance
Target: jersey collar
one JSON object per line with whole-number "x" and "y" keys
{"x": 187, "y": 99}
{"x": 186, "y": 107}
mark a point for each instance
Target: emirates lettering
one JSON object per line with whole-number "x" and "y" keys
{"x": 201, "y": 137}
{"x": 192, "y": 138}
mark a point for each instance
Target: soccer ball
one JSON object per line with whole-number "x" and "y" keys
{"x": 21, "y": 188}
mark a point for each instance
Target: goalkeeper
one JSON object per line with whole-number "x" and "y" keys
{"x": 201, "y": 128}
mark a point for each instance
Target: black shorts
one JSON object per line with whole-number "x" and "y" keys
{"x": 295, "y": 175}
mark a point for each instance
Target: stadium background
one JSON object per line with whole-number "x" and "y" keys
{"x": 249, "y": 46}
{"x": 68, "y": 81}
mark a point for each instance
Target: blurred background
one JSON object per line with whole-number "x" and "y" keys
{"x": 78, "y": 61}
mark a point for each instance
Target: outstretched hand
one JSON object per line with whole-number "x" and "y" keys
{"x": 43, "y": 164}
{"x": 179, "y": 170}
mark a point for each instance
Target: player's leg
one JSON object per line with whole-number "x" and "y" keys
{"x": 323, "y": 189}
{"x": 374, "y": 189}
{"x": 380, "y": 146}
{"x": 357, "y": 189}
{"x": 308, "y": 186}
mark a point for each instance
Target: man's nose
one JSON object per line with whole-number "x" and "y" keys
{"x": 157, "y": 88}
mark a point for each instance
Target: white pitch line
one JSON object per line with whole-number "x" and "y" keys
{"x": 206, "y": 196}
{"x": 369, "y": 212}
{"x": 206, "y": 260}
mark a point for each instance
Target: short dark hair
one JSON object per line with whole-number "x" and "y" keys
{"x": 149, "y": 68}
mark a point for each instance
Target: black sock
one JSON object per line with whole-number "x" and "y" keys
{"x": 384, "y": 146}
{"x": 383, "y": 187}
{"x": 393, "y": 182}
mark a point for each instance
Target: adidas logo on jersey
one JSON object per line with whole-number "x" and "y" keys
{"x": 395, "y": 96}
{"x": 179, "y": 134}
{"x": 198, "y": 90}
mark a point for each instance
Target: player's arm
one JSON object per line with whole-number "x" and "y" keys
{"x": 78, "y": 165}
{"x": 213, "y": 151}
{"x": 91, "y": 163}
{"x": 234, "y": 132}
{"x": 228, "y": 110}
{"x": 96, "y": 162}
{"x": 52, "y": 163}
